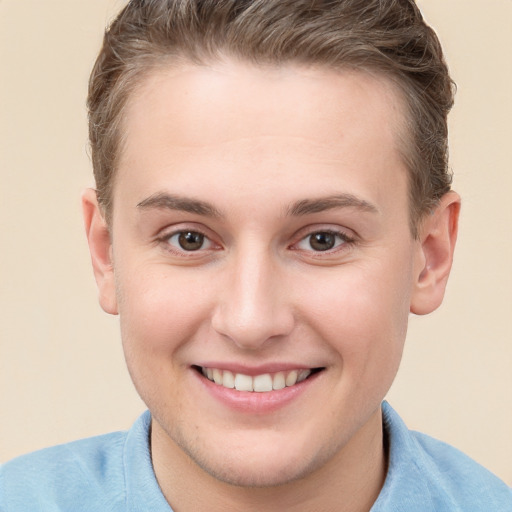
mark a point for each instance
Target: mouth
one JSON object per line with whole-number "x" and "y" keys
{"x": 262, "y": 383}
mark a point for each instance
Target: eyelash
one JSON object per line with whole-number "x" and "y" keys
{"x": 166, "y": 238}
{"x": 342, "y": 242}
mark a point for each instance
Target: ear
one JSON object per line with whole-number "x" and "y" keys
{"x": 100, "y": 247}
{"x": 438, "y": 234}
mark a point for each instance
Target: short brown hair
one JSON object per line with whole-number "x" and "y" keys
{"x": 385, "y": 36}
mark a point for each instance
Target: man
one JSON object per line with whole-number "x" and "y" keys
{"x": 272, "y": 201}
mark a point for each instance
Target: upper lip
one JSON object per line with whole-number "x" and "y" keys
{"x": 253, "y": 370}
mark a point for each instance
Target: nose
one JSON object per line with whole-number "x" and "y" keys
{"x": 253, "y": 307}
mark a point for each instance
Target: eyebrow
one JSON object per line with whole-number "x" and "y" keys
{"x": 166, "y": 201}
{"x": 186, "y": 204}
{"x": 309, "y": 206}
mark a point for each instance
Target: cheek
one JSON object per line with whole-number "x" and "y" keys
{"x": 362, "y": 312}
{"x": 159, "y": 311}
{"x": 159, "y": 314}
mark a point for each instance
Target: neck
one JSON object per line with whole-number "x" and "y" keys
{"x": 349, "y": 482}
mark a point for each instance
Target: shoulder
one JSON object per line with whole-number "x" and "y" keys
{"x": 112, "y": 472}
{"x": 460, "y": 477}
{"x": 81, "y": 475}
{"x": 435, "y": 476}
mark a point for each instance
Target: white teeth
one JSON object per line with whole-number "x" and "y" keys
{"x": 279, "y": 381}
{"x": 259, "y": 383}
{"x": 291, "y": 378}
{"x": 217, "y": 376}
{"x": 262, "y": 383}
{"x": 228, "y": 380}
{"x": 243, "y": 382}
{"x": 303, "y": 375}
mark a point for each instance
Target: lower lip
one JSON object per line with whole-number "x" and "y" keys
{"x": 254, "y": 402}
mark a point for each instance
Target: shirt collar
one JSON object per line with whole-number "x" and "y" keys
{"x": 142, "y": 489}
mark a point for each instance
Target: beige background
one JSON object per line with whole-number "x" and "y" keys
{"x": 62, "y": 372}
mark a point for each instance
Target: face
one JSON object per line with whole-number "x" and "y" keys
{"x": 263, "y": 263}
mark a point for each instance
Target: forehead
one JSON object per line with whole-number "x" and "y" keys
{"x": 231, "y": 121}
{"x": 236, "y": 95}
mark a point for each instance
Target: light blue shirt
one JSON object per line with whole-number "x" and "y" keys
{"x": 114, "y": 473}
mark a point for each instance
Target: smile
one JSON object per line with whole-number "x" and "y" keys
{"x": 258, "y": 383}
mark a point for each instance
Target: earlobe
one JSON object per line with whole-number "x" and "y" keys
{"x": 438, "y": 234}
{"x": 100, "y": 248}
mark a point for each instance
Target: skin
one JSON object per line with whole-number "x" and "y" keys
{"x": 257, "y": 160}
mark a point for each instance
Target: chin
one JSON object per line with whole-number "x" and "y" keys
{"x": 265, "y": 463}
{"x": 260, "y": 475}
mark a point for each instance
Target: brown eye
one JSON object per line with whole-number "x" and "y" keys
{"x": 190, "y": 240}
{"x": 322, "y": 241}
